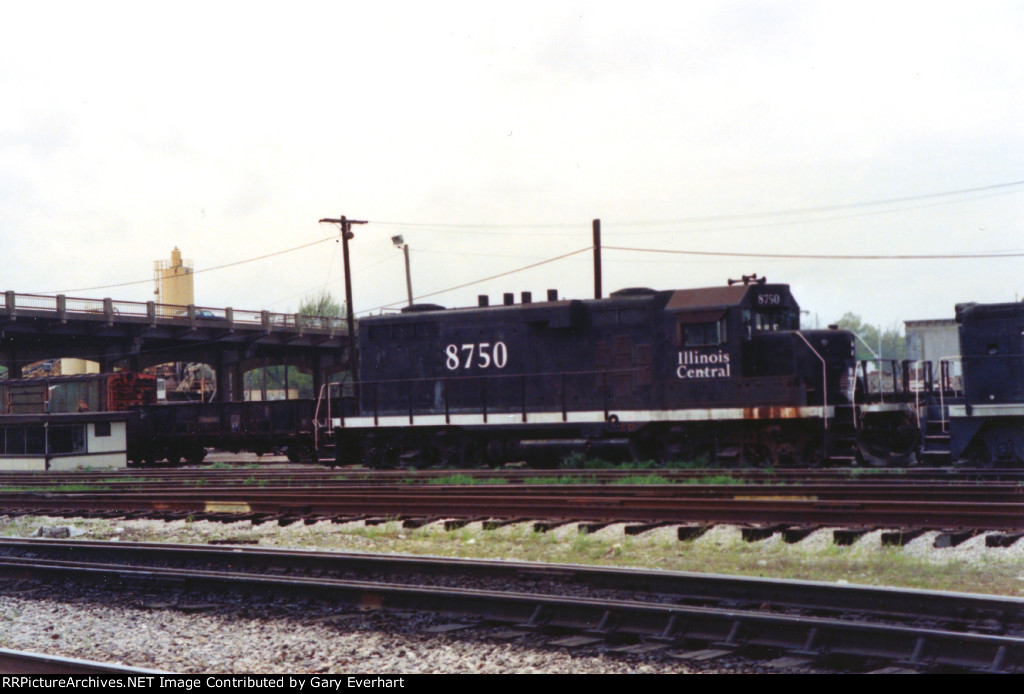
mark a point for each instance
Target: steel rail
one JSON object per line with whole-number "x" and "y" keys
{"x": 854, "y": 477}
{"x": 257, "y": 489}
{"x": 25, "y": 663}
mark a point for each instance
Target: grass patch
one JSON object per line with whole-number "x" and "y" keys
{"x": 58, "y": 488}
{"x": 715, "y": 480}
{"x": 460, "y": 478}
{"x": 642, "y": 479}
{"x": 579, "y": 461}
{"x": 559, "y": 479}
{"x": 865, "y": 471}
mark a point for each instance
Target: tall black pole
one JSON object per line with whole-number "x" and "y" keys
{"x": 346, "y": 234}
{"x": 597, "y": 258}
{"x": 408, "y": 272}
{"x": 350, "y": 315}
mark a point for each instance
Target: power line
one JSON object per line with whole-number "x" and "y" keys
{"x": 839, "y": 207}
{"x": 713, "y": 223}
{"x": 194, "y": 272}
{"x": 475, "y": 228}
{"x": 812, "y": 256}
{"x": 483, "y": 279}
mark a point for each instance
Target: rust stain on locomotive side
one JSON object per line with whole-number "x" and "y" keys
{"x": 771, "y": 412}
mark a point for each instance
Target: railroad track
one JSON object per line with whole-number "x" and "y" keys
{"x": 316, "y": 475}
{"x": 795, "y": 503}
{"x": 630, "y": 612}
{"x": 24, "y": 663}
{"x": 679, "y": 504}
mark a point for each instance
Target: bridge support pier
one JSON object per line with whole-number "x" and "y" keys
{"x": 13, "y": 366}
{"x": 229, "y": 376}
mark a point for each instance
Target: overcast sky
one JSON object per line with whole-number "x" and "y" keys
{"x": 491, "y": 138}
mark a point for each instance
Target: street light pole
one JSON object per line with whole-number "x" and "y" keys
{"x": 346, "y": 234}
{"x": 400, "y": 243}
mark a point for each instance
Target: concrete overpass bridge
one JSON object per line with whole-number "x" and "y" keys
{"x": 136, "y": 335}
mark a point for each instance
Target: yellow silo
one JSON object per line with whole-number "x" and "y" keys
{"x": 174, "y": 284}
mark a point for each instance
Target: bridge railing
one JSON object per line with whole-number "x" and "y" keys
{"x": 63, "y": 306}
{"x": 74, "y": 305}
{"x": 34, "y": 302}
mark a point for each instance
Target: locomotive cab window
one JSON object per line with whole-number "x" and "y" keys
{"x": 775, "y": 320}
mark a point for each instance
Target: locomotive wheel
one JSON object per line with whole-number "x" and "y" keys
{"x": 429, "y": 455}
{"x": 470, "y": 453}
{"x": 496, "y": 453}
{"x": 1018, "y": 447}
{"x": 461, "y": 454}
{"x": 385, "y": 456}
{"x": 644, "y": 447}
{"x": 299, "y": 454}
{"x": 875, "y": 453}
{"x": 672, "y": 449}
{"x": 705, "y": 455}
{"x": 757, "y": 455}
{"x": 813, "y": 454}
{"x": 978, "y": 455}
{"x": 888, "y": 443}
{"x": 868, "y": 454}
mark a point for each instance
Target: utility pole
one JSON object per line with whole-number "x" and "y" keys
{"x": 597, "y": 258}
{"x": 346, "y": 234}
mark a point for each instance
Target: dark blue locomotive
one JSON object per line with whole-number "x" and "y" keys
{"x": 973, "y": 414}
{"x": 714, "y": 374}
{"x": 986, "y": 423}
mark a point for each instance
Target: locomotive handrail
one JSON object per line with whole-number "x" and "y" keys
{"x": 538, "y": 374}
{"x": 824, "y": 377}
{"x": 919, "y": 365}
{"x": 824, "y": 394}
{"x": 370, "y": 388}
{"x": 372, "y": 401}
{"x": 316, "y": 413}
{"x": 863, "y": 363}
{"x": 944, "y": 376}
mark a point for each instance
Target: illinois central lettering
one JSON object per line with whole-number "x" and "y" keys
{"x": 694, "y": 364}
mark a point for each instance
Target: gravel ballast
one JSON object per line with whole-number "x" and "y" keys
{"x": 229, "y": 635}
